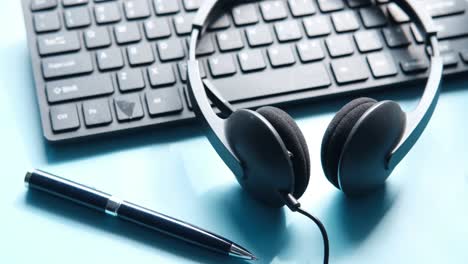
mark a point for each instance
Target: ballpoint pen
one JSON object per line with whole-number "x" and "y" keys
{"x": 131, "y": 212}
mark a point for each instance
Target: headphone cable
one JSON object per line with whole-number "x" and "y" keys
{"x": 295, "y": 206}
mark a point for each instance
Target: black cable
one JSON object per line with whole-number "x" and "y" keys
{"x": 326, "y": 247}
{"x": 295, "y": 206}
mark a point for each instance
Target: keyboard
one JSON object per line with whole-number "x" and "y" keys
{"x": 103, "y": 67}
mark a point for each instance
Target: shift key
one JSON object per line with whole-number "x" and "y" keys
{"x": 67, "y": 65}
{"x": 70, "y": 89}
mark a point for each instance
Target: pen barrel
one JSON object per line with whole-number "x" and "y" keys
{"x": 67, "y": 189}
{"x": 173, "y": 227}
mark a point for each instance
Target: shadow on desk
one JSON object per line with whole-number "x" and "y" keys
{"x": 95, "y": 219}
{"x": 351, "y": 220}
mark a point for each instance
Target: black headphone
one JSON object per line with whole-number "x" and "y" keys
{"x": 268, "y": 153}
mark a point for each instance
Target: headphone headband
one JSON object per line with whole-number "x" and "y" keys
{"x": 416, "y": 120}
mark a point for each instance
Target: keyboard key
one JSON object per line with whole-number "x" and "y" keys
{"x": 77, "y": 17}
{"x": 450, "y": 27}
{"x": 37, "y": 5}
{"x": 301, "y": 7}
{"x": 78, "y": 88}
{"x": 109, "y": 59}
{"x": 164, "y": 7}
{"x": 339, "y": 46}
{"x": 330, "y": 5}
{"x": 304, "y": 76}
{"x": 140, "y": 54}
{"x": 245, "y": 14}
{"x": 107, "y": 13}
{"x": 170, "y": 50}
{"x": 136, "y": 9}
{"x": 192, "y": 5}
{"x": 251, "y": 60}
{"x": 396, "y": 37}
{"x": 46, "y": 22}
{"x": 67, "y": 3}
{"x": 157, "y": 28}
{"x": 281, "y": 56}
{"x": 349, "y": 70}
{"x": 97, "y": 38}
{"x": 411, "y": 66}
{"x": 183, "y": 23}
{"x": 66, "y": 65}
{"x": 397, "y": 14}
{"x": 345, "y": 21}
{"x": 310, "y": 51}
{"x": 373, "y": 17}
{"x": 128, "y": 107}
{"x": 258, "y": 36}
{"x": 229, "y": 40}
{"x": 222, "y": 65}
{"x": 127, "y": 33}
{"x": 205, "y": 45}
{"x": 64, "y": 118}
{"x": 130, "y": 80}
{"x": 450, "y": 59}
{"x": 316, "y": 26}
{"x": 58, "y": 43}
{"x": 287, "y": 31}
{"x": 367, "y": 41}
{"x": 382, "y": 65}
{"x": 464, "y": 55}
{"x": 182, "y": 66}
{"x": 445, "y": 8}
{"x": 161, "y": 75}
{"x": 97, "y": 113}
{"x": 358, "y": 3}
{"x": 273, "y": 10}
{"x": 163, "y": 101}
{"x": 222, "y": 22}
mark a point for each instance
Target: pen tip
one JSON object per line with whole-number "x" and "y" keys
{"x": 240, "y": 252}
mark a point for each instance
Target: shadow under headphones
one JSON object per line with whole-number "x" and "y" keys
{"x": 268, "y": 153}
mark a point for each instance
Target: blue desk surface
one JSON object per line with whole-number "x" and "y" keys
{"x": 420, "y": 217}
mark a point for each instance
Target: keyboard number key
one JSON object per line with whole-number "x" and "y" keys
{"x": 97, "y": 113}
{"x": 107, "y": 13}
{"x": 136, "y": 9}
{"x": 37, "y": 5}
{"x": 64, "y": 118}
{"x": 46, "y": 22}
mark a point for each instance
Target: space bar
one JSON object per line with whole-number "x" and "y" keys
{"x": 274, "y": 81}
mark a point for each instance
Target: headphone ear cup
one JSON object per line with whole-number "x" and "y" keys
{"x": 295, "y": 142}
{"x": 337, "y": 133}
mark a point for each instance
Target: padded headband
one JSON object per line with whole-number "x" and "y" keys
{"x": 416, "y": 122}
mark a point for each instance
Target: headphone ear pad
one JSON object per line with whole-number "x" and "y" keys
{"x": 337, "y": 133}
{"x": 295, "y": 142}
